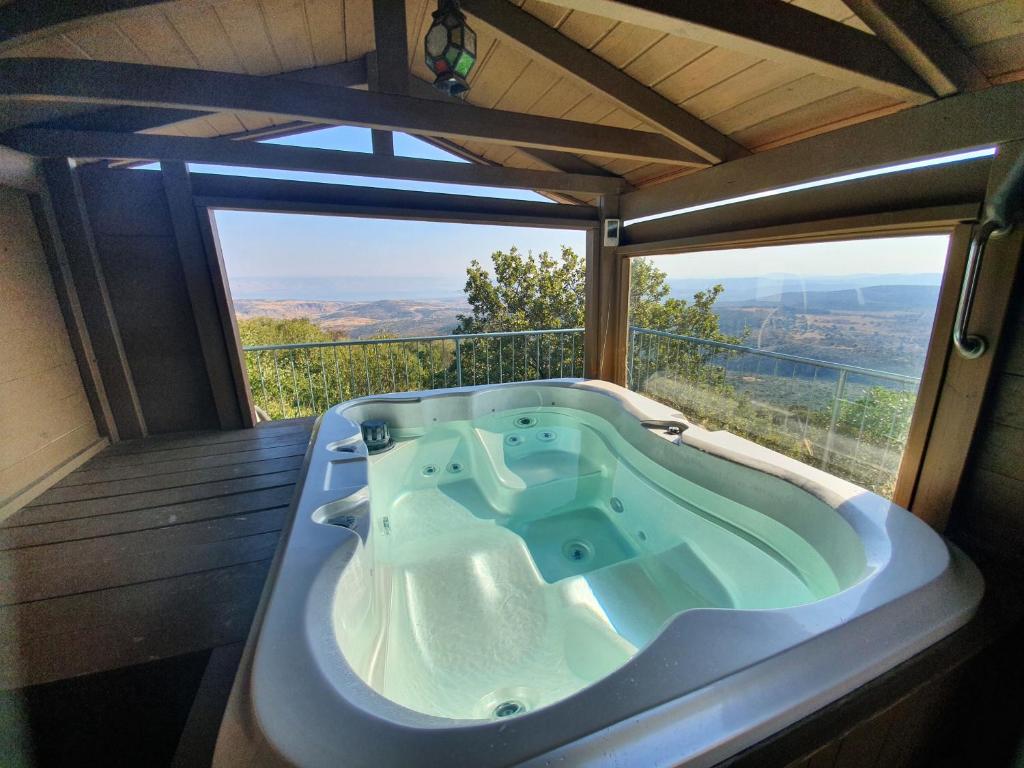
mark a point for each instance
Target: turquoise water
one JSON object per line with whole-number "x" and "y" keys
{"x": 517, "y": 558}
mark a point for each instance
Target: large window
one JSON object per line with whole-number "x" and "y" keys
{"x": 815, "y": 350}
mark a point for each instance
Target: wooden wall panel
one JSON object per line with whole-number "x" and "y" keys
{"x": 45, "y": 419}
{"x": 990, "y": 510}
{"x": 136, "y": 246}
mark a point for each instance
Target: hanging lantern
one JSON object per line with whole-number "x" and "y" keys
{"x": 450, "y": 47}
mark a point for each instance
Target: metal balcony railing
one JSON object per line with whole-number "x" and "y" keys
{"x": 291, "y": 380}
{"x": 848, "y": 420}
{"x": 845, "y": 419}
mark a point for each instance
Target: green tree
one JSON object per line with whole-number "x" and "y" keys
{"x": 526, "y": 292}
{"x": 306, "y": 381}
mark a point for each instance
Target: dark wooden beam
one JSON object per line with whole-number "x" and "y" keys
{"x": 140, "y": 146}
{"x": 243, "y": 193}
{"x": 775, "y": 30}
{"x": 206, "y": 314}
{"x": 71, "y": 309}
{"x": 71, "y": 223}
{"x": 971, "y": 120}
{"x": 22, "y": 21}
{"x": 571, "y": 60}
{"x": 918, "y": 38}
{"x": 346, "y": 74}
{"x": 388, "y": 65}
{"x": 83, "y": 81}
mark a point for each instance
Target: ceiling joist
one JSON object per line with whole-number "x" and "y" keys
{"x": 918, "y": 38}
{"x": 774, "y": 30}
{"x": 74, "y": 80}
{"x": 139, "y": 146}
{"x": 576, "y": 63}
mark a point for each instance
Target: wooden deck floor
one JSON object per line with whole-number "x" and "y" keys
{"x": 155, "y": 549}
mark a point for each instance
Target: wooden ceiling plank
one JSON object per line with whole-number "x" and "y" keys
{"x": 358, "y": 28}
{"x": 202, "y": 31}
{"x": 106, "y": 41}
{"x": 780, "y": 101}
{"x": 288, "y": 29}
{"x": 142, "y": 85}
{"x": 574, "y": 61}
{"x": 741, "y": 87}
{"x": 243, "y": 26}
{"x": 823, "y": 115}
{"x": 154, "y": 34}
{"x": 137, "y": 146}
{"x": 327, "y": 30}
{"x": 772, "y": 29}
{"x": 705, "y": 72}
{"x": 918, "y": 38}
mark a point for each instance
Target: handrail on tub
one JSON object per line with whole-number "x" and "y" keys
{"x": 1001, "y": 213}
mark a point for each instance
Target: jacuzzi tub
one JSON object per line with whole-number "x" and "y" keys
{"x": 537, "y": 572}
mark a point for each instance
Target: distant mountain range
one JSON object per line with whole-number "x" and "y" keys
{"x": 872, "y": 298}
{"x": 361, "y": 319}
{"x": 745, "y": 289}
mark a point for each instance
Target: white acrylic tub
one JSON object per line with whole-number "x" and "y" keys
{"x": 534, "y": 574}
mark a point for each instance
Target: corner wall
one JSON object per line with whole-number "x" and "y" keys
{"x": 45, "y": 420}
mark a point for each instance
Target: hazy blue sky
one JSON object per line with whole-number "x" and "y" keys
{"x": 296, "y": 256}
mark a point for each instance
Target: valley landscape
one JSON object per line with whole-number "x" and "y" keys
{"x": 874, "y": 321}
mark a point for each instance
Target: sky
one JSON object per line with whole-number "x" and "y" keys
{"x": 326, "y": 256}
{"x": 273, "y": 255}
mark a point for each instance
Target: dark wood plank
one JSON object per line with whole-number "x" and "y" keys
{"x": 143, "y": 519}
{"x": 71, "y": 225}
{"x": 75, "y": 510}
{"x": 199, "y": 737}
{"x": 109, "y": 459}
{"x": 145, "y": 85}
{"x": 191, "y": 439}
{"x": 123, "y": 486}
{"x": 38, "y": 573}
{"x": 140, "y": 623}
{"x": 119, "y": 472}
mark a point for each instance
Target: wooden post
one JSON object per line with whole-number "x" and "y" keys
{"x": 74, "y": 320}
{"x": 71, "y": 226}
{"x": 607, "y": 298}
{"x": 198, "y": 282}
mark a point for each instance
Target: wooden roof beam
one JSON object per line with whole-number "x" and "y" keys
{"x": 245, "y": 193}
{"x": 140, "y": 146}
{"x": 75, "y": 80}
{"x": 578, "y": 64}
{"x": 22, "y": 21}
{"x": 918, "y": 38}
{"x": 775, "y": 30}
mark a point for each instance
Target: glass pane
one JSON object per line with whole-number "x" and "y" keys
{"x": 437, "y": 39}
{"x": 815, "y": 350}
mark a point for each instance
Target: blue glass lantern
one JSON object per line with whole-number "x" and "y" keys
{"x": 450, "y": 48}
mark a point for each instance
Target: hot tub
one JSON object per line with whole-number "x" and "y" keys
{"x": 569, "y": 571}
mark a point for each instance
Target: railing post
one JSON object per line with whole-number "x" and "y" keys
{"x": 458, "y": 361}
{"x": 837, "y": 400}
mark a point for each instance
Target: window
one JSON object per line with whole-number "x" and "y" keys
{"x": 815, "y": 350}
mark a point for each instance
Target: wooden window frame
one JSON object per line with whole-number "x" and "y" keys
{"x": 928, "y": 468}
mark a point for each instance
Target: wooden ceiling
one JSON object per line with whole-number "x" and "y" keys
{"x": 756, "y": 102}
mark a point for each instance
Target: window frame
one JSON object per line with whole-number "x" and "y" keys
{"x": 926, "y": 465}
